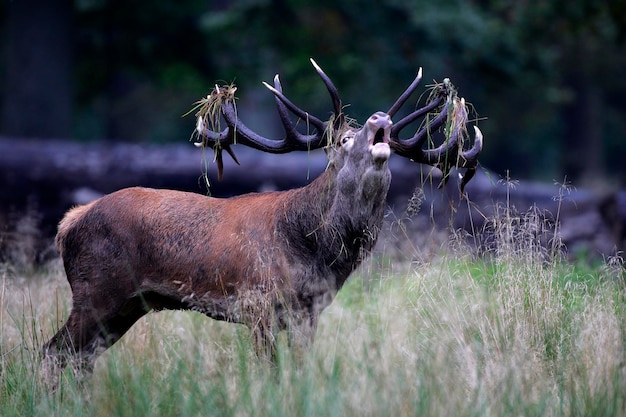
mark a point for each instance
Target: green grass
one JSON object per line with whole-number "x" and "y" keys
{"x": 501, "y": 335}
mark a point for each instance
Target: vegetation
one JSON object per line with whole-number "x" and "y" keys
{"x": 516, "y": 332}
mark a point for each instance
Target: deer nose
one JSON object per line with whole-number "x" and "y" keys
{"x": 379, "y": 120}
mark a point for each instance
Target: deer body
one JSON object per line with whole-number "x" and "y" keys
{"x": 271, "y": 261}
{"x": 183, "y": 250}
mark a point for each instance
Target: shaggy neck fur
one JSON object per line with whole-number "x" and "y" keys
{"x": 334, "y": 221}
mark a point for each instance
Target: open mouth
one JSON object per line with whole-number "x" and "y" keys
{"x": 380, "y": 137}
{"x": 379, "y": 146}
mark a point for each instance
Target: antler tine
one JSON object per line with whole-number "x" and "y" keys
{"x": 207, "y": 134}
{"x": 470, "y": 158}
{"x": 412, "y": 147}
{"x": 319, "y": 125}
{"x": 422, "y": 134}
{"x": 405, "y": 96}
{"x": 334, "y": 96}
{"x": 283, "y": 112}
{"x": 445, "y": 155}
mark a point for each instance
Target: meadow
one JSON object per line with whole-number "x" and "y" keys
{"x": 518, "y": 331}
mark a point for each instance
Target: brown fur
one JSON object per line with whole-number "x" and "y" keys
{"x": 67, "y": 223}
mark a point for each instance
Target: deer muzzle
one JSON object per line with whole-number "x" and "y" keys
{"x": 379, "y": 126}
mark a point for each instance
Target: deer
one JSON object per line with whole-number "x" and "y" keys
{"x": 272, "y": 261}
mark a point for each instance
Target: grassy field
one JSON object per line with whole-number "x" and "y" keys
{"x": 515, "y": 333}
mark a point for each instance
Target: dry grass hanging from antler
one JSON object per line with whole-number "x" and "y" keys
{"x": 208, "y": 110}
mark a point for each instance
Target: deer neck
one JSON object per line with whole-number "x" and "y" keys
{"x": 334, "y": 221}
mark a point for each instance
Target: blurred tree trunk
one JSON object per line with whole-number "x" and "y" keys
{"x": 584, "y": 118}
{"x": 582, "y": 147}
{"x": 37, "y": 100}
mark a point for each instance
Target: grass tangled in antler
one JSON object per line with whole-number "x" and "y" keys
{"x": 456, "y": 109}
{"x": 208, "y": 112}
{"x": 209, "y": 108}
{"x": 455, "y": 125}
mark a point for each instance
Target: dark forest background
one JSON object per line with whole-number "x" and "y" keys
{"x": 549, "y": 78}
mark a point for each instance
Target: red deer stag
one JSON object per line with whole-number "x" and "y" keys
{"x": 272, "y": 261}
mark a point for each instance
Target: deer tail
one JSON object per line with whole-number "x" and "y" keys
{"x": 68, "y": 223}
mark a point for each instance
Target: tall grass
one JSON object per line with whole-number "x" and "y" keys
{"x": 517, "y": 332}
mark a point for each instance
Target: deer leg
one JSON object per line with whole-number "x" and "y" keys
{"x": 264, "y": 342}
{"x": 301, "y": 333}
{"x": 83, "y": 338}
{"x": 69, "y": 345}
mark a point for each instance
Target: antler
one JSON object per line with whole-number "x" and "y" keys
{"x": 453, "y": 114}
{"x": 221, "y": 101}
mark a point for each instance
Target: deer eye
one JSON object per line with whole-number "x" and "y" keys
{"x": 346, "y": 137}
